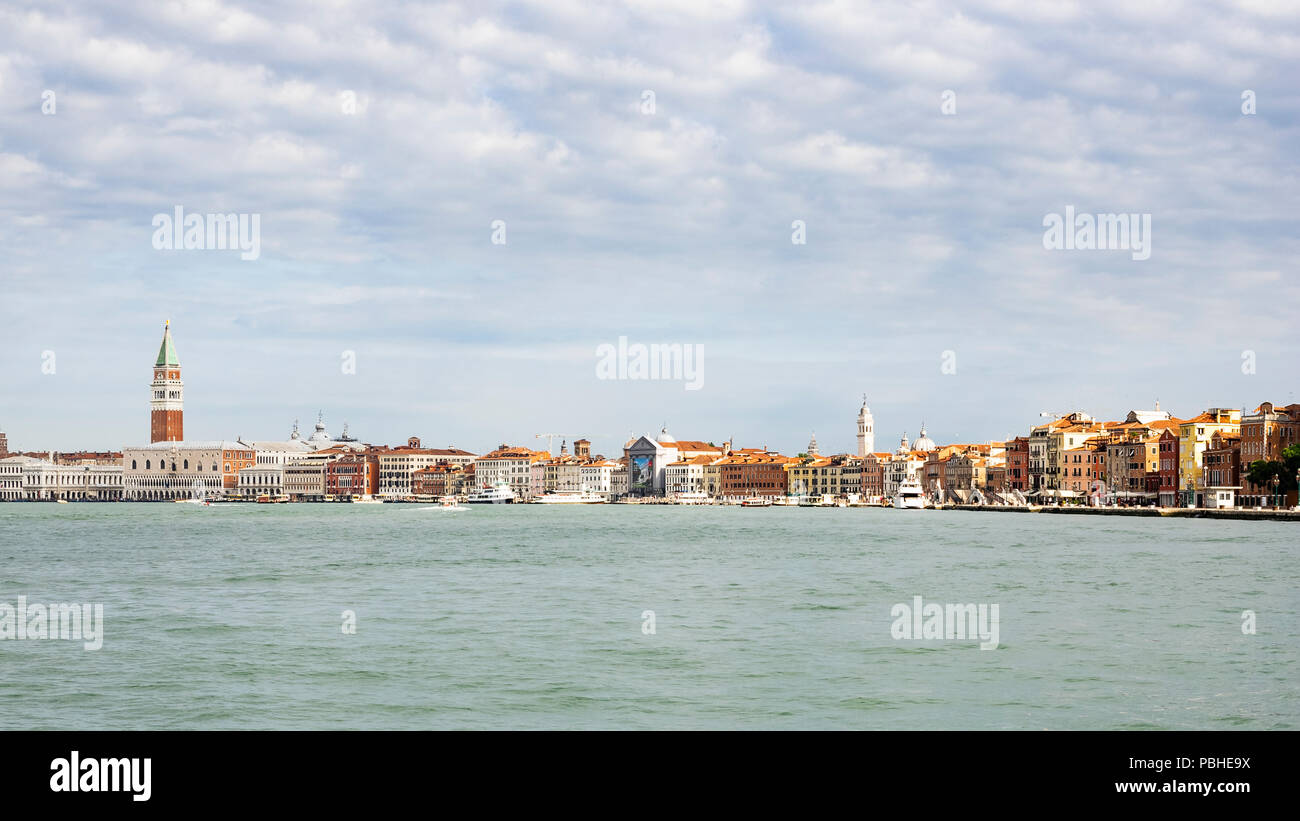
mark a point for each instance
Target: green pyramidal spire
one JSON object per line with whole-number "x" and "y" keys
{"x": 167, "y": 352}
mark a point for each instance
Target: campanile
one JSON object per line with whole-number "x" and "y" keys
{"x": 167, "y": 394}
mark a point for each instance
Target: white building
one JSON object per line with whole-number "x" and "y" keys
{"x": 687, "y": 475}
{"x": 520, "y": 468}
{"x": 11, "y": 477}
{"x": 396, "y": 466}
{"x": 598, "y": 477}
{"x": 23, "y": 478}
{"x": 260, "y": 480}
{"x": 176, "y": 470}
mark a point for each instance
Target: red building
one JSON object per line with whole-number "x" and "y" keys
{"x": 1017, "y": 456}
{"x": 1221, "y": 467}
{"x": 1264, "y": 435}
{"x": 744, "y": 475}
{"x": 1167, "y": 486}
{"x": 355, "y": 474}
{"x": 438, "y": 480}
{"x": 873, "y": 475}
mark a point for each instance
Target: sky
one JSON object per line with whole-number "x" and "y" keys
{"x": 649, "y": 166}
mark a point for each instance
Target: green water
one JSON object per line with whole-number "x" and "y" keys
{"x": 531, "y": 617}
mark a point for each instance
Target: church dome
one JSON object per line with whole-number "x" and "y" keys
{"x": 924, "y": 442}
{"x": 320, "y": 438}
{"x": 666, "y": 438}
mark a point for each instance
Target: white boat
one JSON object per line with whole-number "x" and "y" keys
{"x": 450, "y": 503}
{"x": 570, "y": 497}
{"x": 910, "y": 496}
{"x": 692, "y": 497}
{"x": 498, "y": 494}
{"x": 365, "y": 500}
{"x": 756, "y": 501}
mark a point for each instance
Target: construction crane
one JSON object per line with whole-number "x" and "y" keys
{"x": 550, "y": 443}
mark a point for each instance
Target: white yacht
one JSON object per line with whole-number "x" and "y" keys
{"x": 570, "y": 497}
{"x": 498, "y": 494}
{"x": 910, "y": 495}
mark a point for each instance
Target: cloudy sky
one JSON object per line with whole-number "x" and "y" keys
{"x": 379, "y": 143}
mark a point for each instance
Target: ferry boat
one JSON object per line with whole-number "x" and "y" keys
{"x": 365, "y": 499}
{"x": 910, "y": 496}
{"x": 570, "y": 497}
{"x": 756, "y": 501}
{"x": 268, "y": 499}
{"x": 691, "y": 497}
{"x": 498, "y": 494}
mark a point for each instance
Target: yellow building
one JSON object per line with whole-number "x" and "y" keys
{"x": 1193, "y": 437}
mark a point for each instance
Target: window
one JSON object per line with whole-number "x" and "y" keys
{"x": 146, "y": 464}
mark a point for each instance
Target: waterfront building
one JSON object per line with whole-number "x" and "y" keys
{"x": 519, "y": 467}
{"x": 618, "y": 479}
{"x": 1067, "y": 437}
{"x": 1265, "y": 433}
{"x": 260, "y": 480}
{"x": 167, "y": 393}
{"x": 866, "y": 430}
{"x": 1082, "y": 466}
{"x": 598, "y": 476}
{"x": 305, "y": 478}
{"x": 1221, "y": 465}
{"x": 687, "y": 475}
{"x": 352, "y": 475}
{"x": 170, "y": 469}
{"x": 1016, "y": 454}
{"x": 442, "y": 479}
{"x": 90, "y": 482}
{"x": 397, "y": 466}
{"x": 1167, "y": 486}
{"x": 1132, "y": 469}
{"x": 1193, "y": 437}
{"x": 873, "y": 477}
{"x": 648, "y": 460}
{"x": 11, "y": 476}
{"x": 752, "y": 474}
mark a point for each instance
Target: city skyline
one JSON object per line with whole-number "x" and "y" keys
{"x": 168, "y": 356}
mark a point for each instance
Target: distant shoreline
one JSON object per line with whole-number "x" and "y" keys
{"x": 1286, "y": 514}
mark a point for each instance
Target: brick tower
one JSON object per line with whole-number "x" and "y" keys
{"x": 167, "y": 394}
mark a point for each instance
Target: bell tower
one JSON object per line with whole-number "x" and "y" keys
{"x": 167, "y": 394}
{"x": 866, "y": 430}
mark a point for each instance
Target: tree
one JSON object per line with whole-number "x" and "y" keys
{"x": 1260, "y": 473}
